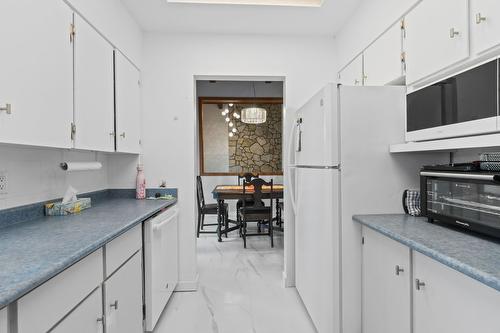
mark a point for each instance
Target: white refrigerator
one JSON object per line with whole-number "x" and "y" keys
{"x": 342, "y": 166}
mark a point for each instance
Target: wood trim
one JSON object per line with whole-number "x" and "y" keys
{"x": 226, "y": 100}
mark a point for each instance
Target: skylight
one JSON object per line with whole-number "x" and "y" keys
{"x": 295, "y": 3}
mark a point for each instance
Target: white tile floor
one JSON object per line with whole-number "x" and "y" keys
{"x": 240, "y": 291}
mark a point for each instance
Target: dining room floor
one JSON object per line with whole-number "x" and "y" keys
{"x": 240, "y": 291}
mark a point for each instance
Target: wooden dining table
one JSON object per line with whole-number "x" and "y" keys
{"x": 235, "y": 192}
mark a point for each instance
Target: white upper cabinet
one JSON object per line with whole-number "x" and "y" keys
{"x": 352, "y": 75}
{"x": 94, "y": 94}
{"x": 485, "y": 24}
{"x": 128, "y": 106}
{"x": 36, "y": 73}
{"x": 382, "y": 60}
{"x": 445, "y": 300}
{"x": 386, "y": 285}
{"x": 437, "y": 36}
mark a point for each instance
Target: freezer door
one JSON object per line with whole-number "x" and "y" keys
{"x": 317, "y": 130}
{"x": 317, "y": 246}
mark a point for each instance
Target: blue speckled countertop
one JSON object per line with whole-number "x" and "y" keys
{"x": 471, "y": 255}
{"x": 34, "y": 251}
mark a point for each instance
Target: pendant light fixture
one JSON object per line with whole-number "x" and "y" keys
{"x": 254, "y": 114}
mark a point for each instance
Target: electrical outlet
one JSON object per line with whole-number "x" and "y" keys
{"x": 3, "y": 182}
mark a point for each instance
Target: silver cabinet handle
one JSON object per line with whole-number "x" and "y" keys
{"x": 453, "y": 33}
{"x": 114, "y": 305}
{"x": 123, "y": 135}
{"x": 356, "y": 82}
{"x": 399, "y": 270}
{"x": 480, "y": 18}
{"x": 166, "y": 287}
{"x": 100, "y": 319}
{"x": 7, "y": 108}
{"x": 419, "y": 284}
{"x": 112, "y": 133}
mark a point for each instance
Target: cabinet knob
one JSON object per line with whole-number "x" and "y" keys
{"x": 123, "y": 135}
{"x": 166, "y": 287}
{"x": 399, "y": 270}
{"x": 7, "y": 108}
{"x": 480, "y": 18}
{"x": 356, "y": 82}
{"x": 114, "y": 305}
{"x": 112, "y": 133}
{"x": 100, "y": 319}
{"x": 453, "y": 33}
{"x": 419, "y": 284}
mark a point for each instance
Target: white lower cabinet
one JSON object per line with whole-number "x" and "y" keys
{"x": 42, "y": 308}
{"x": 123, "y": 298}
{"x": 86, "y": 318}
{"x": 386, "y": 285}
{"x": 446, "y": 301}
{"x": 3, "y": 321}
{"x": 405, "y": 291}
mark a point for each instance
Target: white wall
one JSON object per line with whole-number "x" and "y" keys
{"x": 368, "y": 22}
{"x": 114, "y": 21}
{"x": 34, "y": 174}
{"x": 170, "y": 63}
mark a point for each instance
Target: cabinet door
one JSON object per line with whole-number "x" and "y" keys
{"x": 451, "y": 302}
{"x": 94, "y": 91}
{"x": 352, "y": 75}
{"x": 3, "y": 321}
{"x": 128, "y": 106}
{"x": 485, "y": 24}
{"x": 386, "y": 285}
{"x": 86, "y": 318}
{"x": 123, "y": 300}
{"x": 437, "y": 36}
{"x": 382, "y": 60}
{"x": 36, "y": 73}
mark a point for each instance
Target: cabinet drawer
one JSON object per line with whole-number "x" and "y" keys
{"x": 86, "y": 318}
{"x": 122, "y": 248}
{"x": 42, "y": 308}
{"x": 3, "y": 320}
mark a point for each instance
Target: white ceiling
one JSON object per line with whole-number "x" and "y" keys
{"x": 158, "y": 15}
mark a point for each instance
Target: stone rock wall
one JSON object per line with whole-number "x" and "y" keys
{"x": 257, "y": 148}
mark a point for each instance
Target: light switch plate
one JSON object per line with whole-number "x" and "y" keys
{"x": 3, "y": 182}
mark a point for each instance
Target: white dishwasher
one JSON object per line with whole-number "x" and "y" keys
{"x": 161, "y": 263}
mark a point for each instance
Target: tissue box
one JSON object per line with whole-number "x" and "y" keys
{"x": 60, "y": 209}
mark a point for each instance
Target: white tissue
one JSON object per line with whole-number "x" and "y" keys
{"x": 70, "y": 195}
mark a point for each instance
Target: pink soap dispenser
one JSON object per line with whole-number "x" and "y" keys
{"x": 140, "y": 189}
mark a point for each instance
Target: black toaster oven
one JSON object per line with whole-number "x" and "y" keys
{"x": 470, "y": 200}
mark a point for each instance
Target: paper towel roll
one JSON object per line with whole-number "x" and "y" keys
{"x": 81, "y": 166}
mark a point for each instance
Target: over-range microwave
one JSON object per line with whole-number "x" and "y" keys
{"x": 461, "y": 105}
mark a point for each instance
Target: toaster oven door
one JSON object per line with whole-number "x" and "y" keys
{"x": 473, "y": 204}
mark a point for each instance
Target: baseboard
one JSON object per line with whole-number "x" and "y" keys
{"x": 188, "y": 285}
{"x": 287, "y": 283}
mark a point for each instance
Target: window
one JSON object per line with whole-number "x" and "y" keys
{"x": 229, "y": 146}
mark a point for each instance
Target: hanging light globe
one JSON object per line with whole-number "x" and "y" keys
{"x": 254, "y": 115}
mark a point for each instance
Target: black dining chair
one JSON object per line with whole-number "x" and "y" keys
{"x": 208, "y": 209}
{"x": 279, "y": 215}
{"x": 245, "y": 177}
{"x": 258, "y": 211}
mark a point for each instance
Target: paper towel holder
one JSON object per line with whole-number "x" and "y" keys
{"x": 80, "y": 166}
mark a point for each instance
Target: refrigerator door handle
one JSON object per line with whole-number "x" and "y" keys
{"x": 290, "y": 152}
